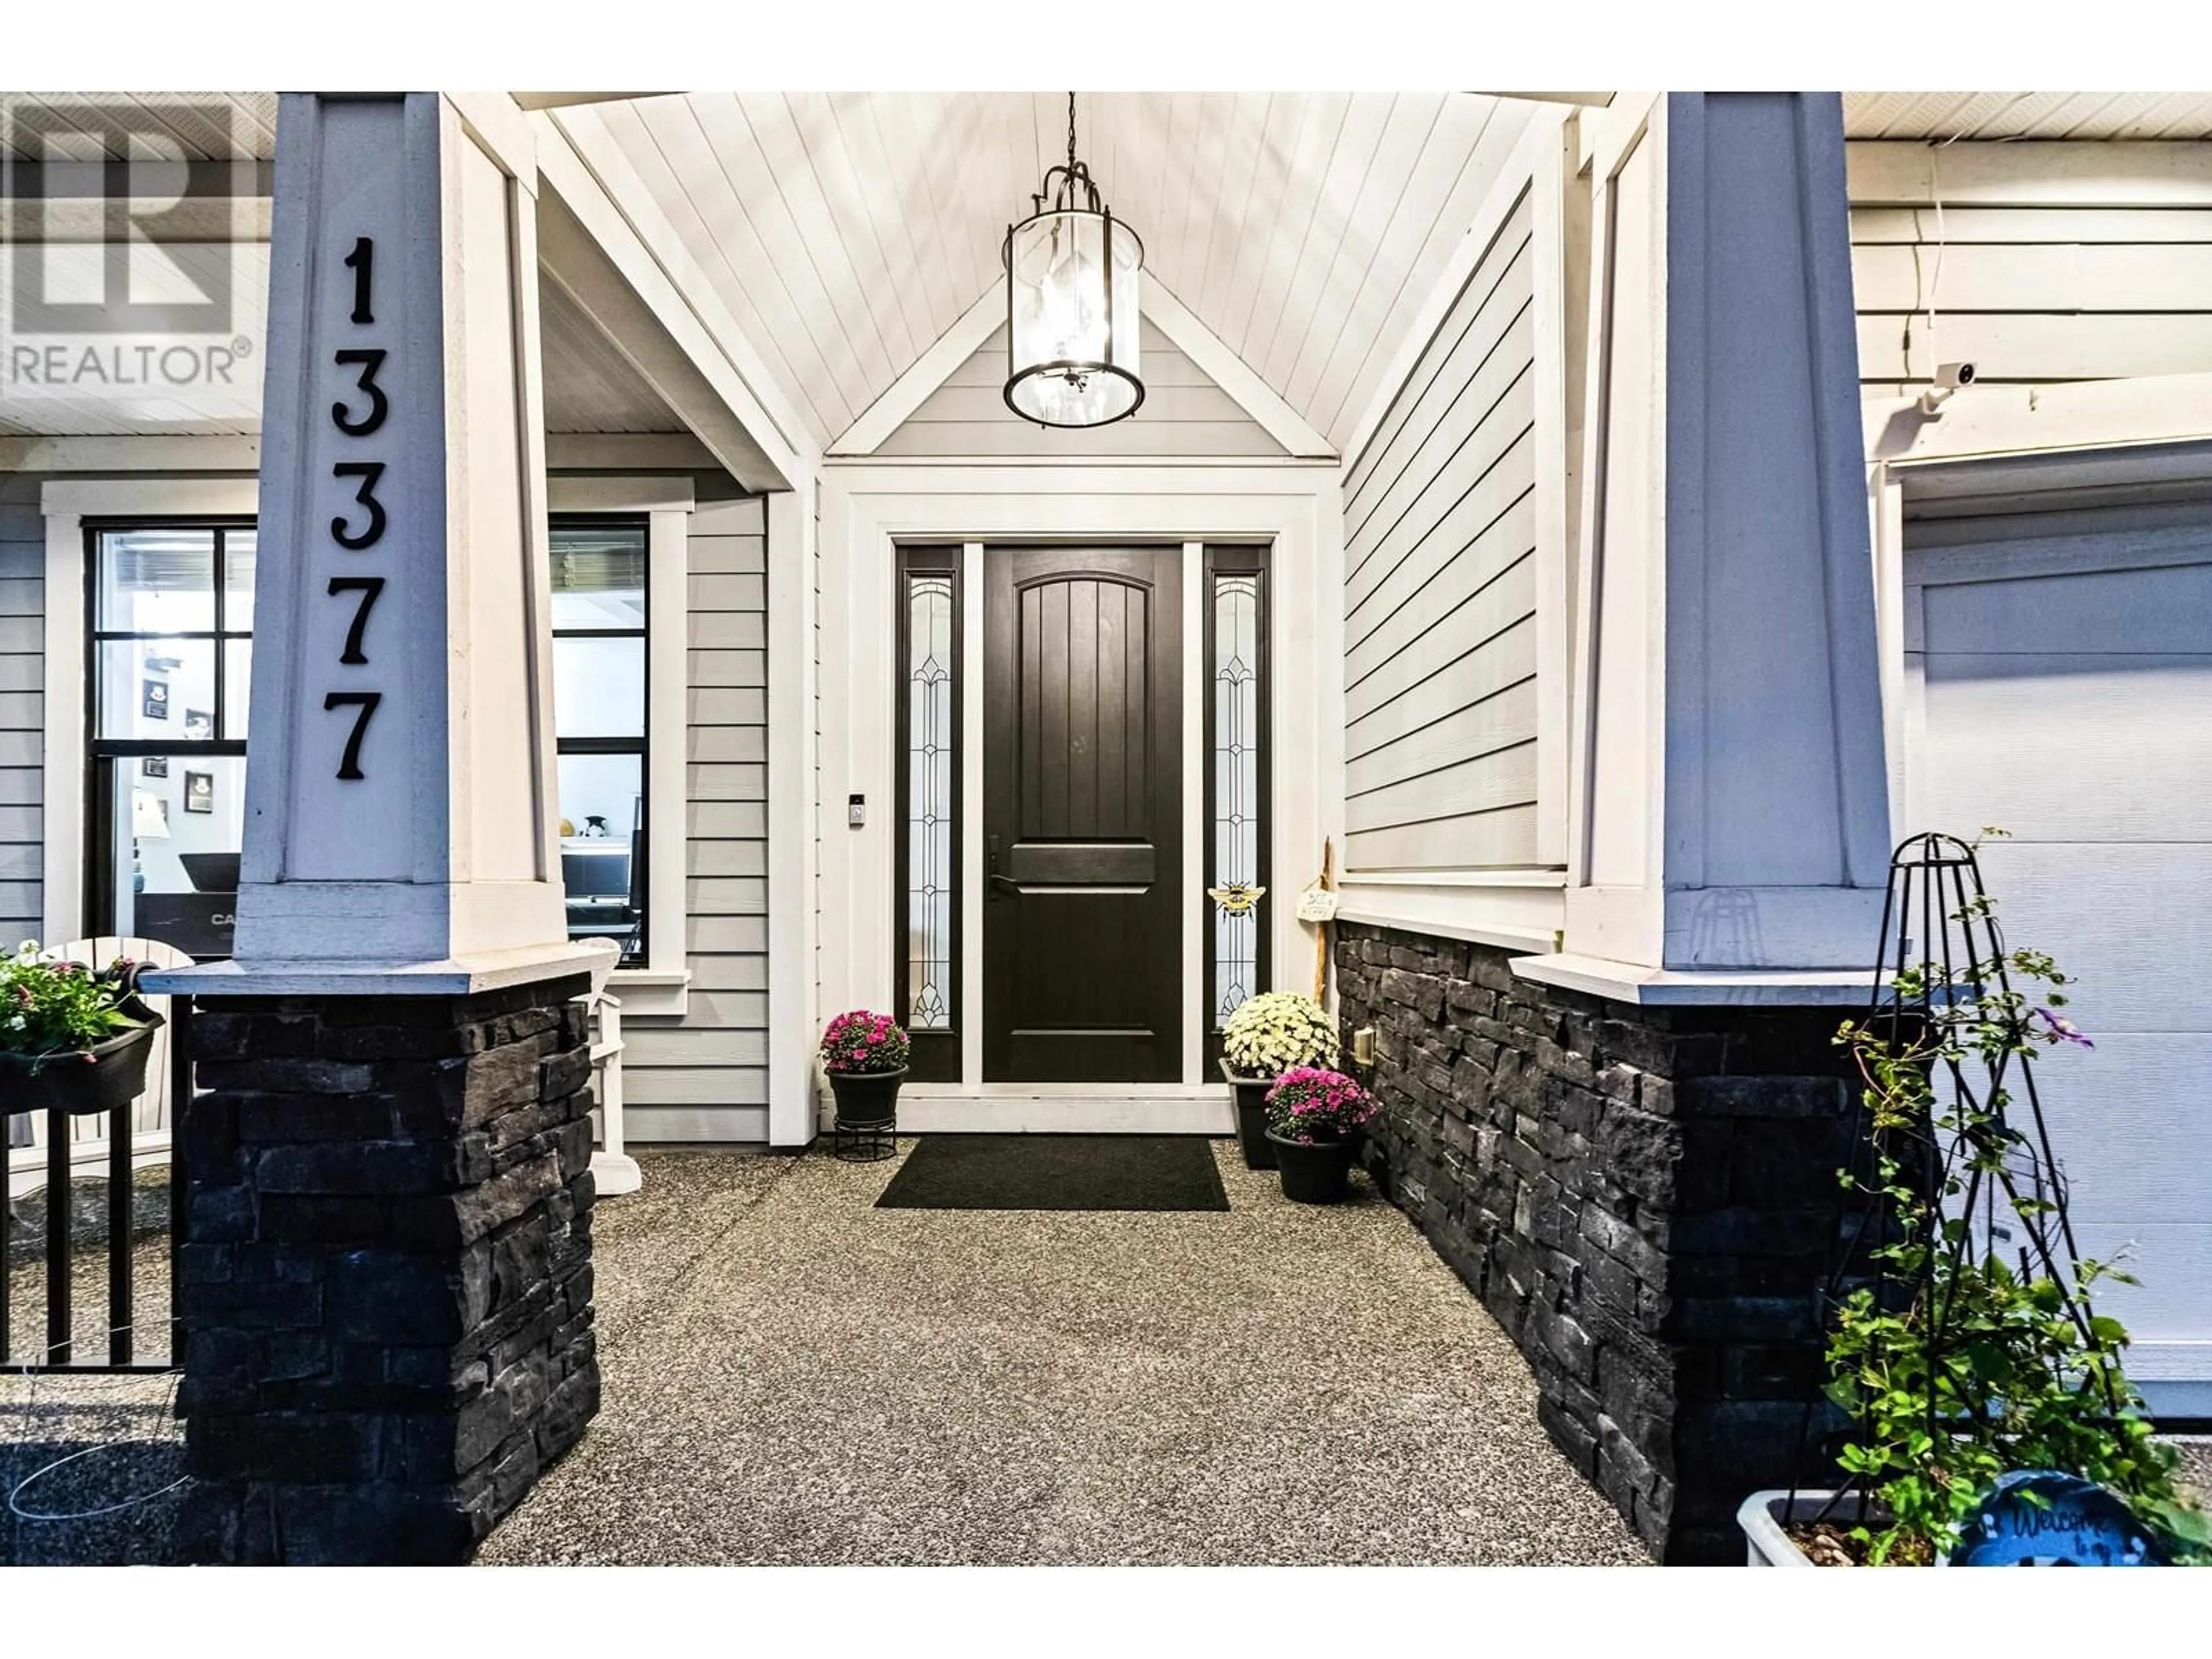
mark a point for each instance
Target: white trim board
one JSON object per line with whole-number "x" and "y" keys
{"x": 1208, "y": 1113}
{"x": 1911, "y": 173}
{"x": 2009, "y": 420}
{"x": 1622, "y": 981}
{"x": 793, "y": 918}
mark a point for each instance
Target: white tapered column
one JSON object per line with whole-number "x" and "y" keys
{"x": 400, "y": 776}
{"x": 1729, "y": 811}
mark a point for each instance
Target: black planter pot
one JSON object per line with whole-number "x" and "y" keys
{"x": 1251, "y": 1094}
{"x": 1319, "y": 1172}
{"x": 866, "y": 1098}
{"x": 114, "y": 1076}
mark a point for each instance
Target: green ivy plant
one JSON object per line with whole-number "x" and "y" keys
{"x": 1979, "y": 1367}
{"x": 49, "y": 1009}
{"x": 1276, "y": 1031}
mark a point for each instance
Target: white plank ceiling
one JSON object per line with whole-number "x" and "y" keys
{"x": 2039, "y": 115}
{"x": 847, "y": 231}
{"x": 79, "y": 126}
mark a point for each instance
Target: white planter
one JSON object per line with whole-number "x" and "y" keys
{"x": 1764, "y": 1515}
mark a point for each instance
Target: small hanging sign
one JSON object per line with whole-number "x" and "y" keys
{"x": 1317, "y": 903}
{"x": 2042, "y": 1518}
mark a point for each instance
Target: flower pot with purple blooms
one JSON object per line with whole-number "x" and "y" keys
{"x": 865, "y": 1055}
{"x": 1268, "y": 1035}
{"x": 1313, "y": 1119}
{"x": 71, "y": 1038}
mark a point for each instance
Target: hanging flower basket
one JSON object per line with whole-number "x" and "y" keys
{"x": 80, "y": 1081}
{"x": 71, "y": 1039}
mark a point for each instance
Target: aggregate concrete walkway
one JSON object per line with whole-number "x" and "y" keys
{"x": 793, "y": 1376}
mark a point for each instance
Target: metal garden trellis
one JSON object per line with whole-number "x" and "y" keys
{"x": 1980, "y": 1151}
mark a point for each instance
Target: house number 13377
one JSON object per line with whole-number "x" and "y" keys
{"x": 361, "y": 412}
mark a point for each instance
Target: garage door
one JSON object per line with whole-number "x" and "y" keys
{"x": 2060, "y": 687}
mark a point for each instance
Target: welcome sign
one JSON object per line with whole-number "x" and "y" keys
{"x": 2042, "y": 1518}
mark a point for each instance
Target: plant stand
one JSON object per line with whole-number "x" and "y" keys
{"x": 871, "y": 1142}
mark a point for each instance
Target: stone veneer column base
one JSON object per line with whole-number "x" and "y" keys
{"x": 386, "y": 1288}
{"x": 1645, "y": 1199}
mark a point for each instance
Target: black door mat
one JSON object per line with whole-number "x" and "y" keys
{"x": 1057, "y": 1172}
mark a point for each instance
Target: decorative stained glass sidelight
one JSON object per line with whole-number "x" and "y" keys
{"x": 1236, "y": 873}
{"x": 931, "y": 793}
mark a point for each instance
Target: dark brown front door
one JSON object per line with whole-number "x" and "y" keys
{"x": 1082, "y": 816}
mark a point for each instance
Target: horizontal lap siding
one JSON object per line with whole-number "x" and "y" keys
{"x": 1440, "y": 593}
{"x": 705, "y": 1077}
{"x": 22, "y": 679}
{"x": 1184, "y": 413}
{"x": 2031, "y": 291}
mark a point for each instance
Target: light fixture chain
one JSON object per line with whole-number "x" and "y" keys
{"x": 1071, "y": 134}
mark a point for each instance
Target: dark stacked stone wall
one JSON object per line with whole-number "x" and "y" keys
{"x": 1644, "y": 1198}
{"x": 387, "y": 1285}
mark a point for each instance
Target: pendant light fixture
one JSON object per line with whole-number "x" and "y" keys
{"x": 1071, "y": 275}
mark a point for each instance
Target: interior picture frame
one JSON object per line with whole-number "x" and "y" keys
{"x": 199, "y": 792}
{"x": 154, "y": 766}
{"x": 200, "y": 725}
{"x": 154, "y": 699}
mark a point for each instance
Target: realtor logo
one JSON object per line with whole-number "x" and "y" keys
{"x": 121, "y": 275}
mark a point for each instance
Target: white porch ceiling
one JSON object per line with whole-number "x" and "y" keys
{"x": 2043, "y": 115}
{"x": 207, "y": 127}
{"x": 847, "y": 231}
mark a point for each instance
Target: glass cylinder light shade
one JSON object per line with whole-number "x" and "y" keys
{"x": 1072, "y": 280}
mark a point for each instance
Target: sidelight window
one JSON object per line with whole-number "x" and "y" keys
{"x": 1237, "y": 781}
{"x": 929, "y": 808}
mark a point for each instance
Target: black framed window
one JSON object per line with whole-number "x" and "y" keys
{"x": 602, "y": 668}
{"x": 928, "y": 807}
{"x": 1236, "y": 783}
{"x": 170, "y": 609}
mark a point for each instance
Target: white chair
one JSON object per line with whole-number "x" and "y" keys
{"x": 150, "y": 1119}
{"x": 614, "y": 1172}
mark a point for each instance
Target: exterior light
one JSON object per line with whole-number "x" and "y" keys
{"x": 1071, "y": 275}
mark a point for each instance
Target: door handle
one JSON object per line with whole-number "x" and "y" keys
{"x": 996, "y": 881}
